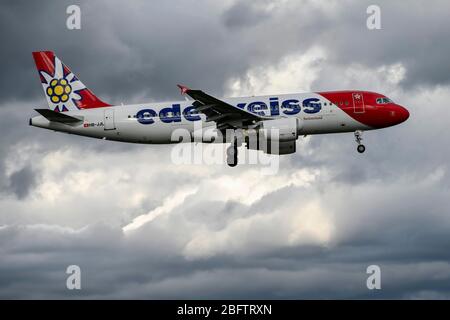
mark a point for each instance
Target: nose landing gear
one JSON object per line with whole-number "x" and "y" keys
{"x": 358, "y": 137}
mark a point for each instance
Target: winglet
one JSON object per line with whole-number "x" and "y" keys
{"x": 183, "y": 89}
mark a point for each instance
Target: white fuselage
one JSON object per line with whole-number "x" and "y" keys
{"x": 155, "y": 123}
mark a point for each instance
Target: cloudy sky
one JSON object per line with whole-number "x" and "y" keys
{"x": 142, "y": 227}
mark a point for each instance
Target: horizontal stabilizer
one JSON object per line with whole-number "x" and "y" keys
{"x": 58, "y": 116}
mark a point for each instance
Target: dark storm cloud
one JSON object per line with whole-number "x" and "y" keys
{"x": 22, "y": 181}
{"x": 12, "y": 130}
{"x": 148, "y": 264}
{"x": 411, "y": 36}
{"x": 244, "y": 14}
{"x": 147, "y": 54}
{"x": 145, "y": 48}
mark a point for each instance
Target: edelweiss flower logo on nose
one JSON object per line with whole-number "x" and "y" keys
{"x": 62, "y": 90}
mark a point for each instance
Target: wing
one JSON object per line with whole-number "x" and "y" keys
{"x": 222, "y": 113}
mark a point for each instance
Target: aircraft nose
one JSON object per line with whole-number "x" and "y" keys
{"x": 403, "y": 114}
{"x": 399, "y": 114}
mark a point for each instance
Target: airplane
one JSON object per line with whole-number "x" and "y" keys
{"x": 74, "y": 109}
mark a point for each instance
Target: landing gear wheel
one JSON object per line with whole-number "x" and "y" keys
{"x": 232, "y": 155}
{"x": 358, "y": 138}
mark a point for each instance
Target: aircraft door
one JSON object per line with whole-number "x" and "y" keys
{"x": 358, "y": 102}
{"x": 109, "y": 119}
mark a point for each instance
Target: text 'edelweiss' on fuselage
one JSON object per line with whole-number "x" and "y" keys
{"x": 273, "y": 108}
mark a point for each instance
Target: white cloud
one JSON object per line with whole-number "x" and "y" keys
{"x": 169, "y": 204}
{"x": 285, "y": 226}
{"x": 294, "y": 73}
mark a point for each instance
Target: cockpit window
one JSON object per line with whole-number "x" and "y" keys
{"x": 384, "y": 101}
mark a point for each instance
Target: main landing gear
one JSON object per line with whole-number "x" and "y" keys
{"x": 358, "y": 137}
{"x": 232, "y": 153}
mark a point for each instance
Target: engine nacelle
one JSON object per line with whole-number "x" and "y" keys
{"x": 276, "y": 136}
{"x": 284, "y": 129}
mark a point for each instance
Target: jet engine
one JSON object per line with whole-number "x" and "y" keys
{"x": 276, "y": 136}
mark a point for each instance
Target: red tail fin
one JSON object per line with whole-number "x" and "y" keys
{"x": 64, "y": 91}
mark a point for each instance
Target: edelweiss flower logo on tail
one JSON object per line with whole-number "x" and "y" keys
{"x": 62, "y": 89}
